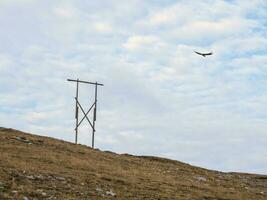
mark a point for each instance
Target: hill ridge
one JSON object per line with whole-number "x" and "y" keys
{"x": 38, "y": 167}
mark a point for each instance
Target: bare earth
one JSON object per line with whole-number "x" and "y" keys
{"x": 35, "y": 167}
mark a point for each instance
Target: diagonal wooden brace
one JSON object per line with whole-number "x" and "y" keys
{"x": 85, "y": 115}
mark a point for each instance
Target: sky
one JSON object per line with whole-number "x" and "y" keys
{"x": 159, "y": 97}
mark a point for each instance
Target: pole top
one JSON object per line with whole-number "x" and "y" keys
{"x": 96, "y": 83}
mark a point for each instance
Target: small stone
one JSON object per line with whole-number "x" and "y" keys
{"x": 30, "y": 177}
{"x": 60, "y": 178}
{"x": 200, "y": 178}
{"x": 111, "y": 193}
{"x": 39, "y": 177}
{"x": 43, "y": 194}
{"x": 26, "y": 198}
{"x": 23, "y": 139}
{"x": 99, "y": 189}
{"x": 15, "y": 191}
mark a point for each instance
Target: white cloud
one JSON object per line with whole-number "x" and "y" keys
{"x": 65, "y": 12}
{"x": 5, "y": 62}
{"x": 102, "y": 27}
{"x": 140, "y": 41}
{"x": 10, "y": 2}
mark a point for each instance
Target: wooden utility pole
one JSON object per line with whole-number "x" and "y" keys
{"x": 78, "y": 105}
{"x": 77, "y": 112}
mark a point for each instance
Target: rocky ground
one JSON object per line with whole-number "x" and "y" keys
{"x": 35, "y": 167}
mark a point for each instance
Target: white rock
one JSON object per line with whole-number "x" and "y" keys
{"x": 39, "y": 177}
{"x": 111, "y": 193}
{"x": 30, "y": 177}
{"x": 200, "y": 178}
{"x": 43, "y": 194}
{"x": 60, "y": 178}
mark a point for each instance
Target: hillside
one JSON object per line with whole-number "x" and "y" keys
{"x": 35, "y": 167}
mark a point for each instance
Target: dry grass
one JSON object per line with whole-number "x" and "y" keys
{"x": 46, "y": 168}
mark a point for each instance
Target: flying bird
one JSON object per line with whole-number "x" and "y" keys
{"x": 203, "y": 54}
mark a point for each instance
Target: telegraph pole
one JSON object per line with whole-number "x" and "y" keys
{"x": 93, "y": 135}
{"x": 77, "y": 112}
{"x": 78, "y": 105}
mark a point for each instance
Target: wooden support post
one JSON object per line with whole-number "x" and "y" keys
{"x": 94, "y": 119}
{"x": 77, "y": 112}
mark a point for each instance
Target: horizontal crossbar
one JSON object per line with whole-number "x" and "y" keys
{"x": 85, "y": 82}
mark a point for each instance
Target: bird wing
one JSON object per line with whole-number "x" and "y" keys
{"x": 198, "y": 53}
{"x": 207, "y": 54}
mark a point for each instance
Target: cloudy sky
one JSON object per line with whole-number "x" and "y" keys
{"x": 159, "y": 98}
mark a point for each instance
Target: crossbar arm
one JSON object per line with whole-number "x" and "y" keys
{"x": 85, "y": 82}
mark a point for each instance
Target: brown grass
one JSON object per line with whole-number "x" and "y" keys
{"x": 53, "y": 169}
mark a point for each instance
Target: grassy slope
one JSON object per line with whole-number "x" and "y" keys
{"x": 46, "y": 168}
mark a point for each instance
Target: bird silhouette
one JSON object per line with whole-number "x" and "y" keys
{"x": 203, "y": 54}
